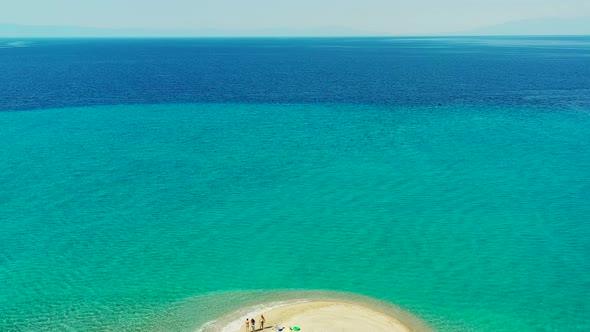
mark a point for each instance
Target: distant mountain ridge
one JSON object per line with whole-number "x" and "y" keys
{"x": 541, "y": 26}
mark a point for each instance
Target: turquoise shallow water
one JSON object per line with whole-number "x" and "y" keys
{"x": 138, "y": 217}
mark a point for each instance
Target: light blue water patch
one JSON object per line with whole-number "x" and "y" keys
{"x": 474, "y": 219}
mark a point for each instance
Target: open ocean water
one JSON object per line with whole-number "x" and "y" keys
{"x": 155, "y": 185}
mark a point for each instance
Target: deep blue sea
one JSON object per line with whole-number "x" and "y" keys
{"x": 154, "y": 185}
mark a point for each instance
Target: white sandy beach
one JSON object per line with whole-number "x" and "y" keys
{"x": 325, "y": 315}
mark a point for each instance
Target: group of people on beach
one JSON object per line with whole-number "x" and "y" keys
{"x": 251, "y": 324}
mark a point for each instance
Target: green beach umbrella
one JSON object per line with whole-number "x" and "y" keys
{"x": 296, "y": 328}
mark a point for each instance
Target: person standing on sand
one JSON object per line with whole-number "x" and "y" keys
{"x": 262, "y": 319}
{"x": 253, "y": 322}
{"x": 247, "y": 324}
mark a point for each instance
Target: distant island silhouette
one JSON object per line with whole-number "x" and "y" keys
{"x": 543, "y": 26}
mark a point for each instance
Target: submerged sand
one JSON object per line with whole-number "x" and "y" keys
{"x": 326, "y": 315}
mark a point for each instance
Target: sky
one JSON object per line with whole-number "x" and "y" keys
{"x": 371, "y": 16}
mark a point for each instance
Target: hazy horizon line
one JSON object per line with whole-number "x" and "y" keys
{"x": 531, "y": 27}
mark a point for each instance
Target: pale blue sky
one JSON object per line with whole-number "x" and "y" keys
{"x": 381, "y": 16}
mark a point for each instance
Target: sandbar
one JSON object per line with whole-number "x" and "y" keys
{"x": 326, "y": 315}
